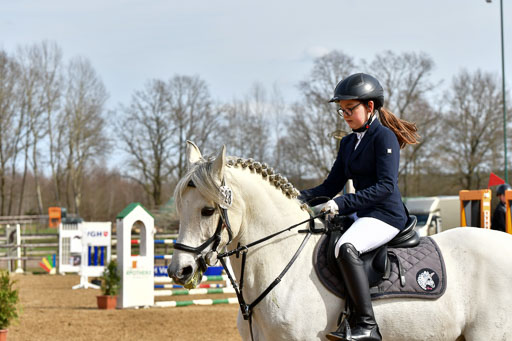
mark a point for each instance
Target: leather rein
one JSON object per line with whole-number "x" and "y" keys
{"x": 211, "y": 257}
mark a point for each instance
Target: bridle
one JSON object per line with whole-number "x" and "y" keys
{"x": 211, "y": 257}
{"x": 204, "y": 259}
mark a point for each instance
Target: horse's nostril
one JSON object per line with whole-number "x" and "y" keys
{"x": 180, "y": 275}
{"x": 186, "y": 272}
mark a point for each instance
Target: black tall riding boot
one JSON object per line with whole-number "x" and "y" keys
{"x": 356, "y": 283}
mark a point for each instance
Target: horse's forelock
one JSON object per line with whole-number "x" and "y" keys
{"x": 200, "y": 175}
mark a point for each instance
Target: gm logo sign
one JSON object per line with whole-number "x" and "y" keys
{"x": 97, "y": 233}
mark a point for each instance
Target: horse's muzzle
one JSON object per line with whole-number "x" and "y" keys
{"x": 180, "y": 276}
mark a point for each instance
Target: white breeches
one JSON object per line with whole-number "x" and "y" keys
{"x": 366, "y": 234}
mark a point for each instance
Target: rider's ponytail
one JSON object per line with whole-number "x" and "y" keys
{"x": 406, "y": 132}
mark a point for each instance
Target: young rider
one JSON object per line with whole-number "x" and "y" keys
{"x": 370, "y": 156}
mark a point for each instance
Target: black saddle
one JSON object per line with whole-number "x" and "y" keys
{"x": 376, "y": 262}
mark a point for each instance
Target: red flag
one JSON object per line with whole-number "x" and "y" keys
{"x": 494, "y": 180}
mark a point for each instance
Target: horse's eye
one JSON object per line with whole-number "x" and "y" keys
{"x": 207, "y": 211}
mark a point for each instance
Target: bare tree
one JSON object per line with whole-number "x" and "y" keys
{"x": 31, "y": 89}
{"x": 48, "y": 59}
{"x": 314, "y": 123}
{"x": 9, "y": 73}
{"x": 406, "y": 81}
{"x": 279, "y": 117}
{"x": 85, "y": 138}
{"x": 292, "y": 163}
{"x": 156, "y": 124}
{"x": 246, "y": 128}
{"x": 473, "y": 126}
{"x": 106, "y": 192}
{"x": 18, "y": 143}
{"x": 194, "y": 115}
{"x": 57, "y": 134}
{"x": 42, "y": 81}
{"x": 146, "y": 130}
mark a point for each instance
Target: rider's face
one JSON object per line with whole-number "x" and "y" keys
{"x": 360, "y": 113}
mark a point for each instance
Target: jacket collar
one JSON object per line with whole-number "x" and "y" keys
{"x": 364, "y": 141}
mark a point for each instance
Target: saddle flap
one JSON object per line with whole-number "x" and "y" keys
{"x": 375, "y": 263}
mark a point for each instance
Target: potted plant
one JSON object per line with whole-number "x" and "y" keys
{"x": 110, "y": 284}
{"x": 9, "y": 299}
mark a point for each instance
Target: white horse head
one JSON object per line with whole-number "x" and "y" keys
{"x": 211, "y": 183}
{"x": 198, "y": 194}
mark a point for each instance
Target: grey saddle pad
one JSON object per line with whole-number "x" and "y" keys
{"x": 423, "y": 268}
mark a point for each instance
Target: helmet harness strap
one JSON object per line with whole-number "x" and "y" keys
{"x": 365, "y": 126}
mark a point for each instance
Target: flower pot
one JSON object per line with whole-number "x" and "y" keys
{"x": 3, "y": 334}
{"x": 106, "y": 302}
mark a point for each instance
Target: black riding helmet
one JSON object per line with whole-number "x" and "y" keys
{"x": 360, "y": 86}
{"x": 502, "y": 188}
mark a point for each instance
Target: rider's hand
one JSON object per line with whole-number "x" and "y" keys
{"x": 329, "y": 207}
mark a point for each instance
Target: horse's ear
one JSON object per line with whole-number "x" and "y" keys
{"x": 218, "y": 164}
{"x": 193, "y": 153}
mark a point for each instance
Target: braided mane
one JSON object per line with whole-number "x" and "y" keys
{"x": 200, "y": 175}
{"x": 267, "y": 173}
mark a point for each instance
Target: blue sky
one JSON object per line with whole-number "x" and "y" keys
{"x": 232, "y": 44}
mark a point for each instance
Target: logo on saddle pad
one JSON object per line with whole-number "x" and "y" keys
{"x": 427, "y": 279}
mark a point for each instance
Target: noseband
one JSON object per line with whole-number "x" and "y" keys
{"x": 209, "y": 258}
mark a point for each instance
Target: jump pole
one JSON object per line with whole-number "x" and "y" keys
{"x": 230, "y": 300}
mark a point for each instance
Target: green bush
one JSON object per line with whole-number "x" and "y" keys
{"x": 110, "y": 280}
{"x": 9, "y": 309}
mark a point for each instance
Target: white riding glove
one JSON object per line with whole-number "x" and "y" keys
{"x": 329, "y": 207}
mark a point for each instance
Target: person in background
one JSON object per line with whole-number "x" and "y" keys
{"x": 498, "y": 217}
{"x": 370, "y": 156}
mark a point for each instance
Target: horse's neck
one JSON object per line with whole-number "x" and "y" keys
{"x": 267, "y": 211}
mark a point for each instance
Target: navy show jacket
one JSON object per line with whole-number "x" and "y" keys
{"x": 373, "y": 167}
